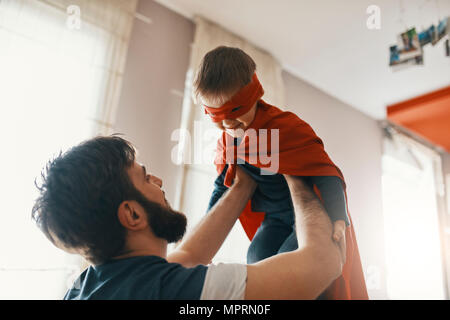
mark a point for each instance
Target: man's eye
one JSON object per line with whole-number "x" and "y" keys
{"x": 236, "y": 109}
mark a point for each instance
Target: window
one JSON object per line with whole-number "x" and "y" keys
{"x": 412, "y": 233}
{"x": 52, "y": 80}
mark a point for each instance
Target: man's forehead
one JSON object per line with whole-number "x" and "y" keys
{"x": 136, "y": 169}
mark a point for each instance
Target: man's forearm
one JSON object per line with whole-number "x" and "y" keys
{"x": 312, "y": 223}
{"x": 314, "y": 231}
{"x": 203, "y": 242}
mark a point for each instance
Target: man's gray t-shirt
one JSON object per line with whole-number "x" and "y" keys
{"x": 152, "y": 277}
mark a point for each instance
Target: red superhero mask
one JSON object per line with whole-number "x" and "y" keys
{"x": 239, "y": 104}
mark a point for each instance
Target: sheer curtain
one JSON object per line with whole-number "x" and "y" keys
{"x": 196, "y": 154}
{"x": 413, "y": 210}
{"x": 61, "y": 65}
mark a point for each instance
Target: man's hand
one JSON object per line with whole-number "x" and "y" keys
{"x": 244, "y": 179}
{"x": 339, "y": 237}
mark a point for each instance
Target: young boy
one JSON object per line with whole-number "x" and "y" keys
{"x": 228, "y": 88}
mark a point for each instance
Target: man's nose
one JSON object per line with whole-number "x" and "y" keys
{"x": 157, "y": 181}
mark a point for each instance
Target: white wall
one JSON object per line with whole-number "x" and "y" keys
{"x": 149, "y": 111}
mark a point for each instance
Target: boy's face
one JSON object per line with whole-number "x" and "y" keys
{"x": 230, "y": 126}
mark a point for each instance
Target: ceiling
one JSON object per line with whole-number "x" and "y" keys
{"x": 327, "y": 43}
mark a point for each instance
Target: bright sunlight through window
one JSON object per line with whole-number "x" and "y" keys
{"x": 50, "y": 81}
{"x": 414, "y": 265}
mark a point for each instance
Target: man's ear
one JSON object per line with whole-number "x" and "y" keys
{"x": 131, "y": 215}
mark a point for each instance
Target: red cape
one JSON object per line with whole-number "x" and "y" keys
{"x": 301, "y": 153}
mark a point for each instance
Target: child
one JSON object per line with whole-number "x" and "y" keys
{"x": 228, "y": 88}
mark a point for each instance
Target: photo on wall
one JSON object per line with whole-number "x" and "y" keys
{"x": 397, "y": 63}
{"x": 407, "y": 63}
{"x": 447, "y": 48}
{"x": 428, "y": 36}
{"x": 408, "y": 45}
{"x": 443, "y": 28}
{"x": 408, "y": 50}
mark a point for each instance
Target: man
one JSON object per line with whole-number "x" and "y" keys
{"x": 98, "y": 201}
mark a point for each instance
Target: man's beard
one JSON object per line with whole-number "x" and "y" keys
{"x": 165, "y": 222}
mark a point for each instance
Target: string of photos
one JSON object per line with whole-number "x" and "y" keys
{"x": 408, "y": 50}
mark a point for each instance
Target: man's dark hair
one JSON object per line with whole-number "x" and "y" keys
{"x": 80, "y": 194}
{"x": 223, "y": 71}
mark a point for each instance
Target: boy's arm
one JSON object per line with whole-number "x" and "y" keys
{"x": 307, "y": 271}
{"x": 203, "y": 242}
{"x": 335, "y": 203}
{"x": 219, "y": 189}
{"x": 333, "y": 196}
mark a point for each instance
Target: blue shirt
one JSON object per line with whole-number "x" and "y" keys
{"x": 272, "y": 194}
{"x": 144, "y": 277}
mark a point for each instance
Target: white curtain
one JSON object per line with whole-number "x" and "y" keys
{"x": 414, "y": 217}
{"x": 61, "y": 66}
{"x": 198, "y": 170}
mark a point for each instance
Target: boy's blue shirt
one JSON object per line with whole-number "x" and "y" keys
{"x": 272, "y": 195}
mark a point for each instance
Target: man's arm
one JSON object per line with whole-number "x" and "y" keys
{"x": 203, "y": 242}
{"x": 307, "y": 271}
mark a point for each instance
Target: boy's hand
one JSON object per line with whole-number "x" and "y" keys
{"x": 339, "y": 237}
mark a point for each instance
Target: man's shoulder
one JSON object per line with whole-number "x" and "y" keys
{"x": 147, "y": 277}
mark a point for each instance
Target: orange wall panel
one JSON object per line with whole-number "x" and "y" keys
{"x": 427, "y": 115}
